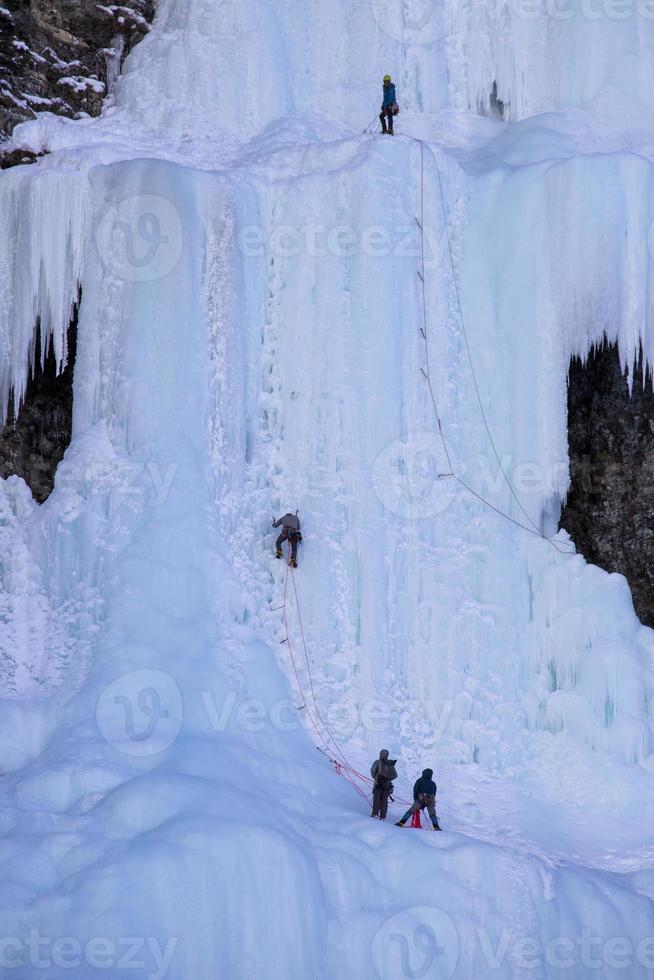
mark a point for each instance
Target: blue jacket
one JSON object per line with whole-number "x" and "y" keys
{"x": 389, "y": 96}
{"x": 425, "y": 784}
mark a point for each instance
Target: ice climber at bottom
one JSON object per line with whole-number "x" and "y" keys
{"x": 424, "y": 795}
{"x": 383, "y": 773}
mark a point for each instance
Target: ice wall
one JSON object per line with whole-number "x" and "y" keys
{"x": 595, "y": 56}
{"x": 592, "y": 55}
{"x": 450, "y": 618}
{"x": 249, "y": 340}
{"x": 534, "y": 189}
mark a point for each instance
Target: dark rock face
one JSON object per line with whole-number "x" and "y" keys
{"x": 33, "y": 445}
{"x": 610, "y": 507}
{"x": 59, "y": 56}
{"x": 62, "y": 55}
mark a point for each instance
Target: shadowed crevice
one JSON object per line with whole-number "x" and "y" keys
{"x": 610, "y": 508}
{"x": 33, "y": 444}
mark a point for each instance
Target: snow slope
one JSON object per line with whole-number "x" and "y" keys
{"x": 252, "y": 337}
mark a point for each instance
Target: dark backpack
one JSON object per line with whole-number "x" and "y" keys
{"x": 389, "y": 769}
{"x": 386, "y": 773}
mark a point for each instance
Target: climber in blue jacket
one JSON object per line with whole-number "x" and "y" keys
{"x": 424, "y": 795}
{"x": 389, "y": 106}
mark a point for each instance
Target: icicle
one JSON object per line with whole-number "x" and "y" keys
{"x": 43, "y": 238}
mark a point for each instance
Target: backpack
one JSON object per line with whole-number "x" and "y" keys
{"x": 386, "y": 773}
{"x": 389, "y": 770}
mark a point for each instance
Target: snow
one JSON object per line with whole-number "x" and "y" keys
{"x": 124, "y": 14}
{"x": 250, "y": 341}
{"x": 37, "y": 100}
{"x": 80, "y": 83}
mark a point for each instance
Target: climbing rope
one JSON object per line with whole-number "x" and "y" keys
{"x": 330, "y": 746}
{"x": 368, "y": 129}
{"x": 341, "y": 765}
{"x": 426, "y": 371}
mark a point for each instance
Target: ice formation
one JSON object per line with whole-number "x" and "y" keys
{"x": 250, "y": 339}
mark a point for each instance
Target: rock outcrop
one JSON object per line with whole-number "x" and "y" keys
{"x": 63, "y": 56}
{"x": 610, "y": 507}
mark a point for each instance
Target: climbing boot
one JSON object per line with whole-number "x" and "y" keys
{"x": 293, "y": 563}
{"x": 400, "y": 823}
{"x": 436, "y": 825}
{"x": 280, "y": 553}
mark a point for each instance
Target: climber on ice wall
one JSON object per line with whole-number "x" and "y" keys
{"x": 383, "y": 773}
{"x": 389, "y": 107}
{"x": 290, "y": 525}
{"x": 424, "y": 795}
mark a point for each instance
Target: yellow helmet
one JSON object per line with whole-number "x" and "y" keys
{"x": 387, "y": 78}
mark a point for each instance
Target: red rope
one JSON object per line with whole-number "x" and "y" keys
{"x": 313, "y": 693}
{"x": 355, "y": 772}
{"x": 341, "y": 765}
